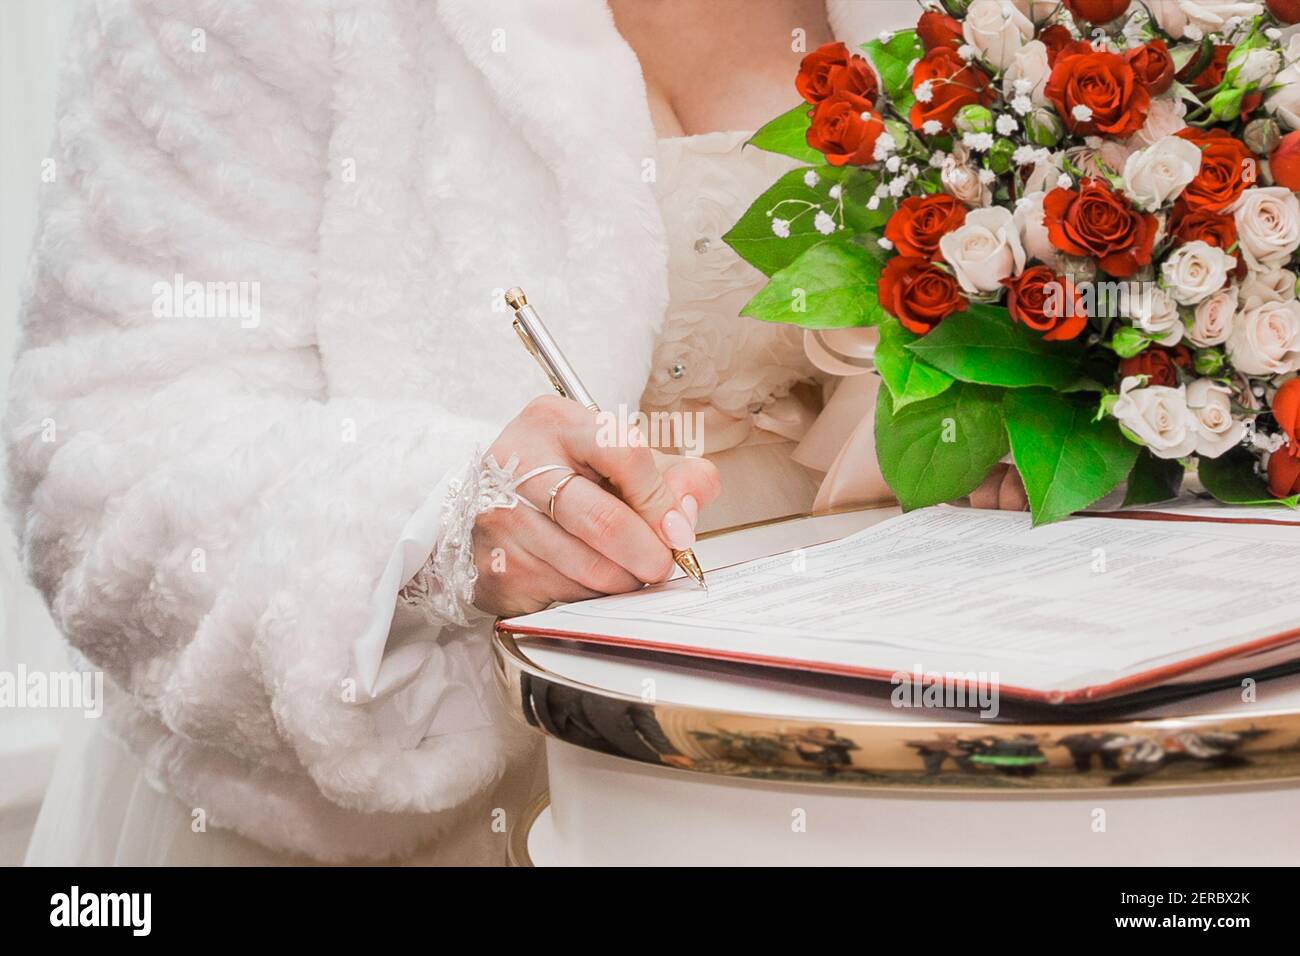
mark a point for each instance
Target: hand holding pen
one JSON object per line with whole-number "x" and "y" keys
{"x": 605, "y": 519}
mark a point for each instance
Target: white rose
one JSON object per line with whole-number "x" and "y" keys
{"x": 1164, "y": 118}
{"x": 1158, "y": 416}
{"x": 1043, "y": 177}
{"x": 1029, "y": 218}
{"x": 1030, "y": 64}
{"x": 997, "y": 29}
{"x": 1259, "y": 67}
{"x": 962, "y": 181}
{"x": 1037, "y": 10}
{"x": 1159, "y": 173}
{"x": 1154, "y": 311}
{"x": 1196, "y": 270}
{"x": 1268, "y": 226}
{"x": 1265, "y": 340}
{"x": 1261, "y": 287}
{"x": 1213, "y": 320}
{"x": 1211, "y": 406}
{"x": 1284, "y": 101}
{"x": 1169, "y": 16}
{"x": 1210, "y": 16}
{"x": 984, "y": 251}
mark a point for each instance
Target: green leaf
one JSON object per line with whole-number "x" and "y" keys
{"x": 1066, "y": 459}
{"x": 752, "y": 237}
{"x": 983, "y": 346}
{"x": 892, "y": 60}
{"x": 788, "y": 135}
{"x": 1153, "y": 479}
{"x": 907, "y": 377}
{"x": 1231, "y": 478}
{"x": 831, "y": 286}
{"x": 941, "y": 448}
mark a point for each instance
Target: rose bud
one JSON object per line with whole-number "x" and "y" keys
{"x": 1046, "y": 302}
{"x": 1284, "y": 472}
{"x": 815, "y": 69}
{"x": 1208, "y": 362}
{"x": 1285, "y": 162}
{"x": 1153, "y": 65}
{"x": 1262, "y": 136}
{"x": 918, "y": 293}
{"x": 1097, "y": 11}
{"x": 1044, "y": 127}
{"x": 1286, "y": 409}
{"x": 920, "y": 222}
{"x": 1288, "y": 11}
{"x": 939, "y": 29}
{"x": 974, "y": 119}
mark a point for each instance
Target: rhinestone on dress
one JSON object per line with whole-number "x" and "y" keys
{"x": 702, "y": 245}
{"x": 677, "y": 370}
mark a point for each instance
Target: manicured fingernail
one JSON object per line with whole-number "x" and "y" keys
{"x": 678, "y": 531}
{"x": 691, "y": 509}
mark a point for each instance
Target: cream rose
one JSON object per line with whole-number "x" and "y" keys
{"x": 997, "y": 29}
{"x": 1284, "y": 101}
{"x": 1164, "y": 118}
{"x": 1212, "y": 323}
{"x": 1261, "y": 287}
{"x": 1158, "y": 416}
{"x": 1029, "y": 222}
{"x": 961, "y": 180}
{"x": 1206, "y": 16}
{"x": 1268, "y": 226}
{"x": 984, "y": 251}
{"x": 1265, "y": 340}
{"x": 1159, "y": 173}
{"x": 1154, "y": 311}
{"x": 1211, "y": 406}
{"x": 1037, "y": 10}
{"x": 1030, "y": 65}
{"x": 1195, "y": 271}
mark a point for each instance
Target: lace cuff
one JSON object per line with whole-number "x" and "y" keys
{"x": 443, "y": 589}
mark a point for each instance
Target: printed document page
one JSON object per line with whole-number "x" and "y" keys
{"x": 1070, "y": 605}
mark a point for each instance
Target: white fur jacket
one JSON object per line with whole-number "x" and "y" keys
{"x": 220, "y": 510}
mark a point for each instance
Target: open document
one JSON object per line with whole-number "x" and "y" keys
{"x": 1087, "y": 608}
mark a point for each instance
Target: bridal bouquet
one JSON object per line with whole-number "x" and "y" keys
{"x": 1073, "y": 225}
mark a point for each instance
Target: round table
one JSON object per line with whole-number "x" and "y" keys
{"x": 665, "y": 761}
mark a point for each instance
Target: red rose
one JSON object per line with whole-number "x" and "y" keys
{"x": 1223, "y": 174}
{"x": 830, "y": 69}
{"x": 1153, "y": 65}
{"x": 1284, "y": 472}
{"x": 954, "y": 83}
{"x": 856, "y": 78}
{"x": 1097, "y": 11}
{"x": 939, "y": 29}
{"x": 918, "y": 293}
{"x": 920, "y": 222}
{"x": 839, "y": 130}
{"x": 1286, "y": 409}
{"x": 1056, "y": 38}
{"x": 1188, "y": 225}
{"x": 1046, "y": 302}
{"x": 1158, "y": 364}
{"x": 1103, "y": 84}
{"x": 1288, "y": 11}
{"x": 1211, "y": 76}
{"x": 1285, "y": 161}
{"x": 1094, "y": 221}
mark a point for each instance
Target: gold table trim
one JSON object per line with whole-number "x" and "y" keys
{"x": 1203, "y": 750}
{"x": 517, "y": 853}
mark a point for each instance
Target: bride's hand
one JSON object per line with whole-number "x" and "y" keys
{"x": 1002, "y": 490}
{"x": 614, "y": 523}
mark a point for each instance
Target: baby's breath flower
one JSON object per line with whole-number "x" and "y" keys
{"x": 932, "y": 127}
{"x": 925, "y": 92}
{"x": 823, "y": 222}
{"x": 873, "y": 203}
{"x": 884, "y": 243}
{"x": 1022, "y": 104}
{"x": 810, "y": 179}
{"x": 1006, "y": 125}
{"x": 836, "y": 190}
{"x": 1081, "y": 113}
{"x": 781, "y": 227}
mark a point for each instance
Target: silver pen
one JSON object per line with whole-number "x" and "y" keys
{"x": 537, "y": 339}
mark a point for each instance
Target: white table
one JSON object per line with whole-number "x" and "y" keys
{"x": 1207, "y": 801}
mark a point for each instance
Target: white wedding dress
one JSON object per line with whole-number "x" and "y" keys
{"x": 755, "y": 393}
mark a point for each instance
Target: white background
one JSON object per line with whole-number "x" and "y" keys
{"x": 32, "y": 34}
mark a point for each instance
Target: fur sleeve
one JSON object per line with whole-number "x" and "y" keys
{"x": 208, "y": 524}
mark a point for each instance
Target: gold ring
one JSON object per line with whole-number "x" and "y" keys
{"x": 550, "y": 505}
